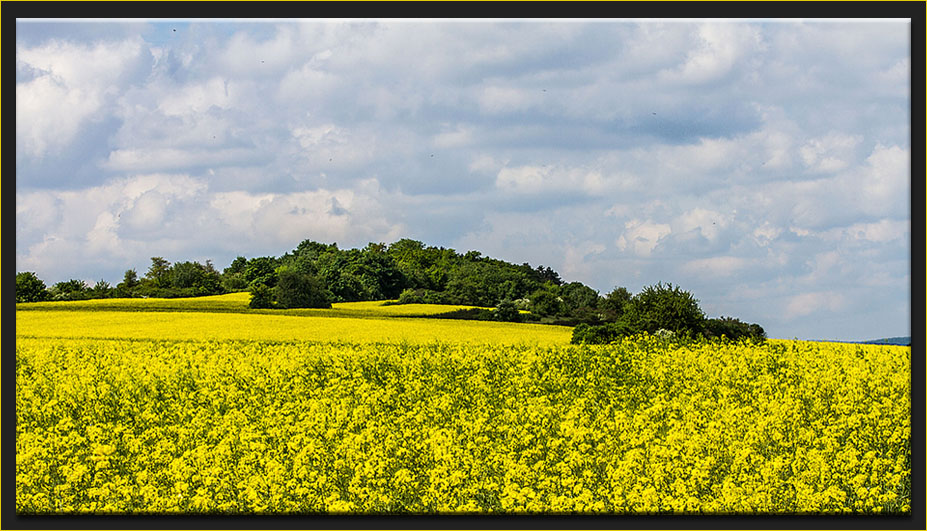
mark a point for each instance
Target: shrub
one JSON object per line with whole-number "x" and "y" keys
{"x": 507, "y": 311}
{"x": 299, "y": 290}
{"x": 411, "y": 296}
{"x": 261, "y": 297}
{"x": 29, "y": 288}
{"x": 600, "y": 334}
{"x": 733, "y": 329}
{"x": 667, "y": 307}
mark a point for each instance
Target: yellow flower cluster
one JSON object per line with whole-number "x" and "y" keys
{"x": 644, "y": 426}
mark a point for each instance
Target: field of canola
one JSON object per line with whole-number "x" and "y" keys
{"x": 185, "y": 412}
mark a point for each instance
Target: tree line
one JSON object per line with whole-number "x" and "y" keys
{"x": 407, "y": 271}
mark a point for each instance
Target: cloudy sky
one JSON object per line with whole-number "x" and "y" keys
{"x": 762, "y": 165}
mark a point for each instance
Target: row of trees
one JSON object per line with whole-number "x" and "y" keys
{"x": 163, "y": 279}
{"x": 664, "y": 310}
{"x": 407, "y": 271}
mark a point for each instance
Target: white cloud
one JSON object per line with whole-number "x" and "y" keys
{"x": 127, "y": 220}
{"x": 830, "y": 153}
{"x": 532, "y": 179}
{"x": 198, "y": 97}
{"x": 805, "y": 304}
{"x": 709, "y": 223}
{"x": 167, "y": 159}
{"x": 718, "y": 49}
{"x": 575, "y": 259}
{"x": 72, "y": 83}
{"x": 716, "y": 266}
{"x": 307, "y": 82}
{"x": 766, "y": 233}
{"x": 885, "y": 182}
{"x": 882, "y": 231}
{"x": 641, "y": 237}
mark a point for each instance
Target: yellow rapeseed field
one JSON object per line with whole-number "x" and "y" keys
{"x": 276, "y": 327}
{"x": 162, "y": 412}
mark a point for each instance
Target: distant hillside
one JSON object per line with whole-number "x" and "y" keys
{"x": 904, "y": 341}
{"x": 316, "y": 275}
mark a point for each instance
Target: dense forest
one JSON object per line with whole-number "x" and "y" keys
{"x": 316, "y": 274}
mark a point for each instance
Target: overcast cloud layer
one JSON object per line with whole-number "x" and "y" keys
{"x": 763, "y": 166}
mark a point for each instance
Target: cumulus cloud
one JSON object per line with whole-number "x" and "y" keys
{"x": 717, "y": 50}
{"x": 67, "y": 85}
{"x": 641, "y": 237}
{"x": 830, "y": 153}
{"x": 127, "y": 220}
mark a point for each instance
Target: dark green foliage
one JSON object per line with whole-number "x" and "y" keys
{"x": 545, "y": 274}
{"x": 467, "y": 314}
{"x": 261, "y": 297}
{"x": 546, "y": 302}
{"x": 237, "y": 266}
{"x": 71, "y": 290}
{"x": 129, "y": 283}
{"x": 351, "y": 275}
{"x": 582, "y": 303}
{"x": 29, "y": 288}
{"x": 577, "y": 296}
{"x": 485, "y": 282}
{"x": 261, "y": 270}
{"x": 664, "y": 307}
{"x": 614, "y": 303}
{"x": 101, "y": 290}
{"x": 182, "y": 279}
{"x": 234, "y": 282}
{"x": 295, "y": 289}
{"x": 233, "y": 276}
{"x": 600, "y": 334}
{"x": 159, "y": 272}
{"x": 411, "y": 296}
{"x": 195, "y": 278}
{"x": 507, "y": 311}
{"x": 733, "y": 329}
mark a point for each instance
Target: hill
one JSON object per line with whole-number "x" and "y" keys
{"x": 903, "y": 341}
{"x": 407, "y": 272}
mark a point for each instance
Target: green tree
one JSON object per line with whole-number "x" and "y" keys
{"x": 299, "y": 290}
{"x": 101, "y": 290}
{"x": 506, "y": 311}
{"x": 733, "y": 329}
{"x": 577, "y": 295}
{"x": 546, "y": 302}
{"x": 667, "y": 307}
{"x": 129, "y": 283}
{"x": 600, "y": 334}
{"x": 30, "y": 288}
{"x": 615, "y": 302}
{"x": 233, "y": 276}
{"x": 261, "y": 297}
{"x": 184, "y": 274}
{"x": 238, "y": 265}
{"x": 261, "y": 270}
{"x": 69, "y": 290}
{"x": 159, "y": 273}
{"x": 196, "y": 279}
